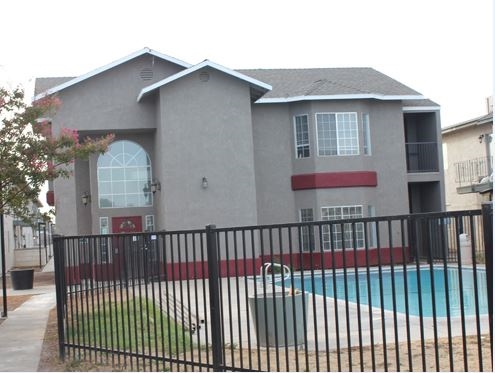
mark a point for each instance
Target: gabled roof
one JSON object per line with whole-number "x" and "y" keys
{"x": 255, "y": 84}
{"x": 291, "y": 85}
{"x": 101, "y": 69}
{"x": 478, "y": 121}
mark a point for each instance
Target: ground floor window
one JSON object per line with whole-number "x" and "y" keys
{"x": 149, "y": 224}
{"x": 347, "y": 235}
{"x": 306, "y": 233}
{"x": 104, "y": 228}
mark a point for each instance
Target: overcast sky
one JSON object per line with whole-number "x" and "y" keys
{"x": 441, "y": 48}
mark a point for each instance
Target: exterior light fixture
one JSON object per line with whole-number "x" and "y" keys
{"x": 155, "y": 185}
{"x": 85, "y": 198}
{"x": 204, "y": 183}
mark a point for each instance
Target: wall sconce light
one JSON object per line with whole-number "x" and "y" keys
{"x": 85, "y": 198}
{"x": 155, "y": 185}
{"x": 204, "y": 183}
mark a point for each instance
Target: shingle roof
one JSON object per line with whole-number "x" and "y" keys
{"x": 357, "y": 81}
{"x": 478, "y": 121}
{"x": 419, "y": 103}
{"x": 43, "y": 84}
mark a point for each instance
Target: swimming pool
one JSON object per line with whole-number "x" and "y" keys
{"x": 415, "y": 298}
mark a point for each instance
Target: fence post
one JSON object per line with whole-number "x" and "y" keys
{"x": 487, "y": 211}
{"x": 214, "y": 292}
{"x": 60, "y": 289}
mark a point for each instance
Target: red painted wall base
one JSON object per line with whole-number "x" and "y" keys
{"x": 251, "y": 266}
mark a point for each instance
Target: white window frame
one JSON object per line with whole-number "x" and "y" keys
{"x": 372, "y": 227}
{"x": 102, "y": 220}
{"x": 306, "y": 233}
{"x": 301, "y": 145}
{"x": 149, "y": 223}
{"x": 339, "y": 241}
{"x": 129, "y": 186}
{"x": 365, "y": 119}
{"x": 340, "y": 132}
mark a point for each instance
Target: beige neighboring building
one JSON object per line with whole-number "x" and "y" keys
{"x": 468, "y": 162}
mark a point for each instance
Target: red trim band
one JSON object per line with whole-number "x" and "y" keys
{"x": 334, "y": 180}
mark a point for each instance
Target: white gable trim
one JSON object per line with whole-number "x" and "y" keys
{"x": 206, "y": 63}
{"x": 338, "y": 97}
{"x": 110, "y": 66}
{"x": 406, "y": 109}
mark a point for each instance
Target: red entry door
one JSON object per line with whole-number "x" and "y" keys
{"x": 127, "y": 224}
{"x": 123, "y": 247}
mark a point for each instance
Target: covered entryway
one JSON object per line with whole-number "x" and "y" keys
{"x": 141, "y": 260}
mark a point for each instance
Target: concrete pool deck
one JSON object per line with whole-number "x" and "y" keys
{"x": 330, "y": 323}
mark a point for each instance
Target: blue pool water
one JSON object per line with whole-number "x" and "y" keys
{"x": 415, "y": 298}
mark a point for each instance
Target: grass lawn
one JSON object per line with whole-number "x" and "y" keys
{"x": 134, "y": 325}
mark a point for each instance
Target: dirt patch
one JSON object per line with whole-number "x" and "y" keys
{"x": 310, "y": 362}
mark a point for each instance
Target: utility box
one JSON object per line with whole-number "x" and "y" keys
{"x": 280, "y": 307}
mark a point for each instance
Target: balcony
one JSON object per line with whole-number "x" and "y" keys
{"x": 474, "y": 175}
{"x": 422, "y": 156}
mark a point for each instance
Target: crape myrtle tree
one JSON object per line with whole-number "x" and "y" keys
{"x": 30, "y": 155}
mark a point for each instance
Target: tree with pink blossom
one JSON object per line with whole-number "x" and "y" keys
{"x": 30, "y": 154}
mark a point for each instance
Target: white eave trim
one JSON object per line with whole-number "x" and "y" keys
{"x": 206, "y": 63}
{"x": 108, "y": 67}
{"x": 338, "y": 97}
{"x": 420, "y": 108}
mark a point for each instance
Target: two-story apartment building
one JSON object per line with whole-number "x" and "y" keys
{"x": 468, "y": 162}
{"x": 200, "y": 144}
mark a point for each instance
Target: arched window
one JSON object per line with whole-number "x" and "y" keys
{"x": 124, "y": 176}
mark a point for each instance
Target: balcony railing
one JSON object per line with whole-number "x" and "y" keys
{"x": 472, "y": 171}
{"x": 422, "y": 156}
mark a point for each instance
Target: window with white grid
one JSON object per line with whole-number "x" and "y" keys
{"x": 301, "y": 135}
{"x": 124, "y": 176}
{"x": 334, "y": 236}
{"x": 306, "y": 233}
{"x": 149, "y": 223}
{"x": 337, "y": 134}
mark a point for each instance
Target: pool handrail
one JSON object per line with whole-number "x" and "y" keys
{"x": 269, "y": 277}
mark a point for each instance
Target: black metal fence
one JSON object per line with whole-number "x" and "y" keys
{"x": 374, "y": 294}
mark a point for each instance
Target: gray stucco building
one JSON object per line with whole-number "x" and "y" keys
{"x": 201, "y": 144}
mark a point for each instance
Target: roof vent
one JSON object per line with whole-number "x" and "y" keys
{"x": 204, "y": 76}
{"x": 146, "y": 73}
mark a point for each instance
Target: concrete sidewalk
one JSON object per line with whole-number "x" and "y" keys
{"x": 22, "y": 333}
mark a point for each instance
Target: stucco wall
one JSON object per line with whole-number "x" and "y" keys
{"x": 273, "y": 143}
{"x": 276, "y": 161}
{"x": 461, "y": 146}
{"x": 206, "y": 132}
{"x": 105, "y": 103}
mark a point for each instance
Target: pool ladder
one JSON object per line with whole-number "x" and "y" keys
{"x": 271, "y": 277}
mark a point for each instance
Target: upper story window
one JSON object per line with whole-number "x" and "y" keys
{"x": 124, "y": 176}
{"x": 337, "y": 134}
{"x": 301, "y": 135}
{"x": 366, "y": 134}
